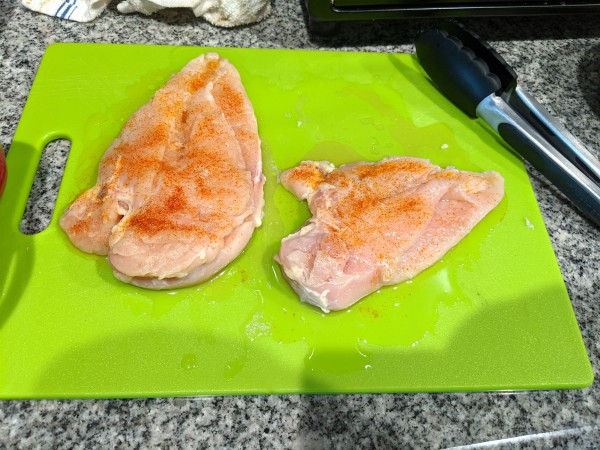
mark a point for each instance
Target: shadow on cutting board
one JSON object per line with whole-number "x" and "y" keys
{"x": 198, "y": 362}
{"x": 16, "y": 250}
{"x": 16, "y": 267}
{"x": 529, "y": 354}
{"x": 535, "y": 342}
{"x": 531, "y": 350}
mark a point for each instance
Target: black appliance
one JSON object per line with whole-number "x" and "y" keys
{"x": 324, "y": 13}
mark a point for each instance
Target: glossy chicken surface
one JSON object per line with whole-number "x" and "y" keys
{"x": 180, "y": 191}
{"x": 376, "y": 224}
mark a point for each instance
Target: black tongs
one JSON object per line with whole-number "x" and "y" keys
{"x": 475, "y": 78}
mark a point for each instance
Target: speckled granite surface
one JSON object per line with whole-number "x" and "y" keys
{"x": 558, "y": 60}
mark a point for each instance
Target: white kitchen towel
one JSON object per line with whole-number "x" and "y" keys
{"x": 224, "y": 13}
{"x": 77, "y": 10}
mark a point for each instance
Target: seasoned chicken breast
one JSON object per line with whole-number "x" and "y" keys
{"x": 180, "y": 191}
{"x": 376, "y": 224}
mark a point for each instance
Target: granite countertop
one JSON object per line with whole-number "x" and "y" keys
{"x": 558, "y": 61}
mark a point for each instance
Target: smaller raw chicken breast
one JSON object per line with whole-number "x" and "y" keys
{"x": 377, "y": 224}
{"x": 180, "y": 191}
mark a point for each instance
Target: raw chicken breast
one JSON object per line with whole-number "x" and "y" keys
{"x": 180, "y": 191}
{"x": 377, "y": 224}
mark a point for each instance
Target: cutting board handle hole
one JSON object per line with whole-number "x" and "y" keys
{"x": 44, "y": 190}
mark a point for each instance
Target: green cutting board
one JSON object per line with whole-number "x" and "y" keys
{"x": 492, "y": 314}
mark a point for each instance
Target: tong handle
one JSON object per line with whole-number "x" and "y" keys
{"x": 476, "y": 79}
{"x": 581, "y": 190}
{"x": 556, "y": 133}
{"x": 580, "y": 195}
